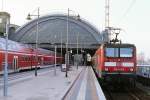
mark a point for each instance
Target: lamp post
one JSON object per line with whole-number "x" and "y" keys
{"x": 37, "y": 33}
{"x": 70, "y": 56}
{"x": 61, "y": 49}
{"x": 77, "y": 49}
{"x": 6, "y": 61}
{"x": 55, "y": 57}
{"x": 67, "y": 58}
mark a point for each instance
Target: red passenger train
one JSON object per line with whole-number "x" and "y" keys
{"x": 116, "y": 62}
{"x": 23, "y": 56}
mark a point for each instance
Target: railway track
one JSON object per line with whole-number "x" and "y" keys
{"x": 125, "y": 93}
{"x": 139, "y": 94}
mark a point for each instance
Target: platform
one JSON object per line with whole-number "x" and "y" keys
{"x": 86, "y": 87}
{"x": 47, "y": 86}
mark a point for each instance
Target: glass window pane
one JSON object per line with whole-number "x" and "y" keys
{"x": 126, "y": 52}
{"x": 111, "y": 52}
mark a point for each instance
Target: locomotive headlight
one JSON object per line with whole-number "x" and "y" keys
{"x": 131, "y": 69}
{"x": 106, "y": 69}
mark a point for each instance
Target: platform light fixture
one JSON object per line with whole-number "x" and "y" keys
{"x": 77, "y": 49}
{"x": 6, "y": 59}
{"x": 61, "y": 48}
{"x": 55, "y": 46}
{"x": 67, "y": 58}
{"x": 37, "y": 33}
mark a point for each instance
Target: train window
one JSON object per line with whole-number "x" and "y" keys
{"x": 111, "y": 52}
{"x": 1, "y": 46}
{"x": 34, "y": 58}
{"x": 126, "y": 52}
{"x": 23, "y": 58}
{"x": 39, "y": 58}
{"x": 29, "y": 58}
{"x": 26, "y": 58}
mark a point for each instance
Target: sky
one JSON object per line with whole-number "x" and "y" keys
{"x": 132, "y": 16}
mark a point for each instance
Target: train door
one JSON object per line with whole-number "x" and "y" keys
{"x": 99, "y": 69}
{"x": 15, "y": 63}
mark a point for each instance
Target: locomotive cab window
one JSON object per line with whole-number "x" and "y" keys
{"x": 118, "y": 52}
{"x": 111, "y": 52}
{"x": 126, "y": 52}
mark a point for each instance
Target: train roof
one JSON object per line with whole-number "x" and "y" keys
{"x": 119, "y": 45}
{"x": 15, "y": 46}
{"x": 12, "y": 45}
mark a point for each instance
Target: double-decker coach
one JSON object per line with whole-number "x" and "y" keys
{"x": 23, "y": 56}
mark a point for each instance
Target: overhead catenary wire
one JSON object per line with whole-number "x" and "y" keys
{"x": 2, "y": 5}
{"x": 130, "y": 7}
{"x": 128, "y": 10}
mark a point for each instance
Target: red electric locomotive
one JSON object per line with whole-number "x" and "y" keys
{"x": 116, "y": 62}
{"x": 22, "y": 56}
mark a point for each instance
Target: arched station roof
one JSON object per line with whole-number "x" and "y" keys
{"x": 53, "y": 29}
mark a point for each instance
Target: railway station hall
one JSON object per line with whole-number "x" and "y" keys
{"x": 64, "y": 57}
{"x": 57, "y": 29}
{"x": 74, "y": 50}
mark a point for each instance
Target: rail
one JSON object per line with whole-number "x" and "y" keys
{"x": 125, "y": 93}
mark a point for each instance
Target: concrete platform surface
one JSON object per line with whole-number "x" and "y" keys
{"x": 86, "y": 87}
{"x": 46, "y": 86}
